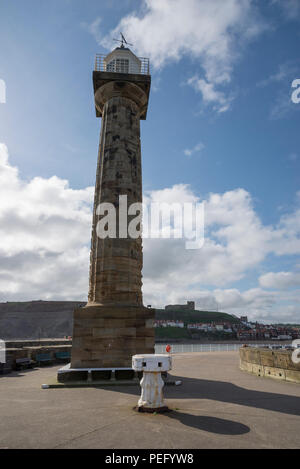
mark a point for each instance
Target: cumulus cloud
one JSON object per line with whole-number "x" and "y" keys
{"x": 232, "y": 232}
{"x": 280, "y": 280}
{"x": 209, "y": 32}
{"x": 257, "y": 303}
{"x": 2, "y": 92}
{"x": 236, "y": 243}
{"x": 219, "y": 101}
{"x": 45, "y": 241}
{"x": 93, "y": 28}
{"x": 286, "y": 236}
{"x": 196, "y": 149}
{"x": 167, "y": 30}
{"x": 45, "y": 232}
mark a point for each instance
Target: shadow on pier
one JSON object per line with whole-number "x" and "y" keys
{"x": 223, "y": 391}
{"x": 210, "y": 424}
{"x": 220, "y": 391}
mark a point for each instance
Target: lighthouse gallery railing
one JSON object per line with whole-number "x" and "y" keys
{"x": 101, "y": 66}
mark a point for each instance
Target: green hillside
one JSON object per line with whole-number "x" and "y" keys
{"x": 172, "y": 333}
{"x": 195, "y": 316}
{"x": 169, "y": 333}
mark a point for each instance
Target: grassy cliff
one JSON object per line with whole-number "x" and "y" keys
{"x": 189, "y": 317}
{"x": 45, "y": 319}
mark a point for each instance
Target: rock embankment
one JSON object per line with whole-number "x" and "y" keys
{"x": 37, "y": 319}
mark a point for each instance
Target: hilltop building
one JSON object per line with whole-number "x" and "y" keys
{"x": 190, "y": 306}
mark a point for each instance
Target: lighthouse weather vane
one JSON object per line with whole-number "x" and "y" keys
{"x": 123, "y": 41}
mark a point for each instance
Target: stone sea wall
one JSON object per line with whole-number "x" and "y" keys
{"x": 277, "y": 364}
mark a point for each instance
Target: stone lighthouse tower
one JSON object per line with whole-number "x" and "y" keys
{"x": 114, "y": 325}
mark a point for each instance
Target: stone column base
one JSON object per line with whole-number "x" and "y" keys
{"x": 108, "y": 336}
{"x": 84, "y": 377}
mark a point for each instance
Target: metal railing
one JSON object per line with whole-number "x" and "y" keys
{"x": 189, "y": 348}
{"x": 143, "y": 69}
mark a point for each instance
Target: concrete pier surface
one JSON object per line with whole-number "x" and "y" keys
{"x": 217, "y": 406}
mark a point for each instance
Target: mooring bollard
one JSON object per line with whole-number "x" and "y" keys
{"x": 152, "y": 384}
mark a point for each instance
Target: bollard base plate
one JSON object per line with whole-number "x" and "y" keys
{"x": 152, "y": 410}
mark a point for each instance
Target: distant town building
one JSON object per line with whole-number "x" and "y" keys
{"x": 168, "y": 323}
{"x": 242, "y": 329}
{"x": 284, "y": 337}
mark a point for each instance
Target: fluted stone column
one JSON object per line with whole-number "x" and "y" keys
{"x": 114, "y": 325}
{"x": 116, "y": 264}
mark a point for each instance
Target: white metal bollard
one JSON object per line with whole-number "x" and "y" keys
{"x": 152, "y": 384}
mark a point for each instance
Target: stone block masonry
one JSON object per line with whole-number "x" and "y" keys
{"x": 108, "y": 336}
{"x": 276, "y": 364}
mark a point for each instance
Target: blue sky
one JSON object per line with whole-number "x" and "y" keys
{"x": 221, "y": 127}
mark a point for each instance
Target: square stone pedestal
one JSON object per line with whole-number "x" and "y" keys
{"x": 108, "y": 336}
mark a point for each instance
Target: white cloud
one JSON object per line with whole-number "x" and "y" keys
{"x": 257, "y": 303}
{"x": 210, "y": 32}
{"x": 45, "y": 234}
{"x": 2, "y": 92}
{"x": 167, "y": 30}
{"x": 94, "y": 28}
{"x": 233, "y": 230}
{"x": 45, "y": 240}
{"x": 236, "y": 243}
{"x": 286, "y": 236}
{"x": 219, "y": 101}
{"x": 196, "y": 149}
{"x": 280, "y": 280}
